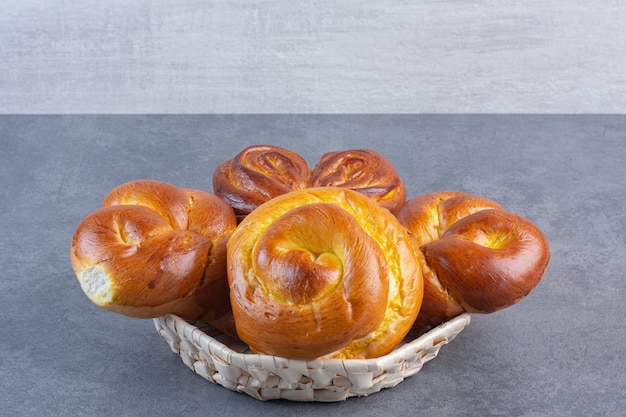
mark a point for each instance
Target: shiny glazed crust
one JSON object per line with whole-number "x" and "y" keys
{"x": 361, "y": 170}
{"x": 152, "y": 249}
{"x": 258, "y": 174}
{"x": 323, "y": 272}
{"x": 261, "y": 172}
{"x": 475, "y": 256}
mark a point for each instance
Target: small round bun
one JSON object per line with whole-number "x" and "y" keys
{"x": 261, "y": 172}
{"x": 323, "y": 272}
{"x": 152, "y": 249}
{"x": 476, "y": 257}
{"x": 258, "y": 174}
{"x": 362, "y": 170}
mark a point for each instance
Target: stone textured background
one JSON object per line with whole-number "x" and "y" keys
{"x": 157, "y": 56}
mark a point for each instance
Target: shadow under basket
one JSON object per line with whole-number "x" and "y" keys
{"x": 223, "y": 360}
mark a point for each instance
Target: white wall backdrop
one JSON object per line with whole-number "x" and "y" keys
{"x": 187, "y": 56}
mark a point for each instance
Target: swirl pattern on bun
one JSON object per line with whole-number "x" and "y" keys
{"x": 258, "y": 174}
{"x": 323, "y": 272}
{"x": 261, "y": 172}
{"x": 152, "y": 249}
{"x": 476, "y": 257}
{"x": 362, "y": 170}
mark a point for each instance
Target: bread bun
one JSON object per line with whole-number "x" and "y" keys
{"x": 362, "y": 170}
{"x": 261, "y": 172}
{"x": 475, "y": 256}
{"x": 153, "y": 248}
{"x": 323, "y": 272}
{"x": 258, "y": 174}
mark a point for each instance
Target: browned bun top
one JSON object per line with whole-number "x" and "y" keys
{"x": 428, "y": 216}
{"x": 153, "y": 248}
{"x": 261, "y": 172}
{"x": 258, "y": 174}
{"x": 362, "y": 170}
{"x": 323, "y": 272}
{"x": 476, "y": 257}
{"x": 489, "y": 260}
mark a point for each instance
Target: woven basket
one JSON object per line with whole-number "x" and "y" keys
{"x": 228, "y": 362}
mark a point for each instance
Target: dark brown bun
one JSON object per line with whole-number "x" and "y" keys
{"x": 362, "y": 170}
{"x": 258, "y": 174}
{"x": 261, "y": 172}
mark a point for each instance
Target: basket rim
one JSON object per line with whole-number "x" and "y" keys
{"x": 410, "y": 343}
{"x": 267, "y": 377}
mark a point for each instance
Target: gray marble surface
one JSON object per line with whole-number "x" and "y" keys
{"x": 559, "y": 352}
{"x": 189, "y": 56}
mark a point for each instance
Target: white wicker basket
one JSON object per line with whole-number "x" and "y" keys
{"x": 228, "y": 362}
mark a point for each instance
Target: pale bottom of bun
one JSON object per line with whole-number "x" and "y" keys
{"x": 98, "y": 285}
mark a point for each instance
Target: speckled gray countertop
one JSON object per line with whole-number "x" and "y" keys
{"x": 559, "y": 352}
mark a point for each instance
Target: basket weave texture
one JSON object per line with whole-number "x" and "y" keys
{"x": 228, "y": 362}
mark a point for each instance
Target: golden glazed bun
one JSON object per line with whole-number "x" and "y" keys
{"x": 258, "y": 174}
{"x": 323, "y": 272}
{"x": 475, "y": 256}
{"x": 152, "y": 249}
{"x": 361, "y": 170}
{"x": 261, "y": 172}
